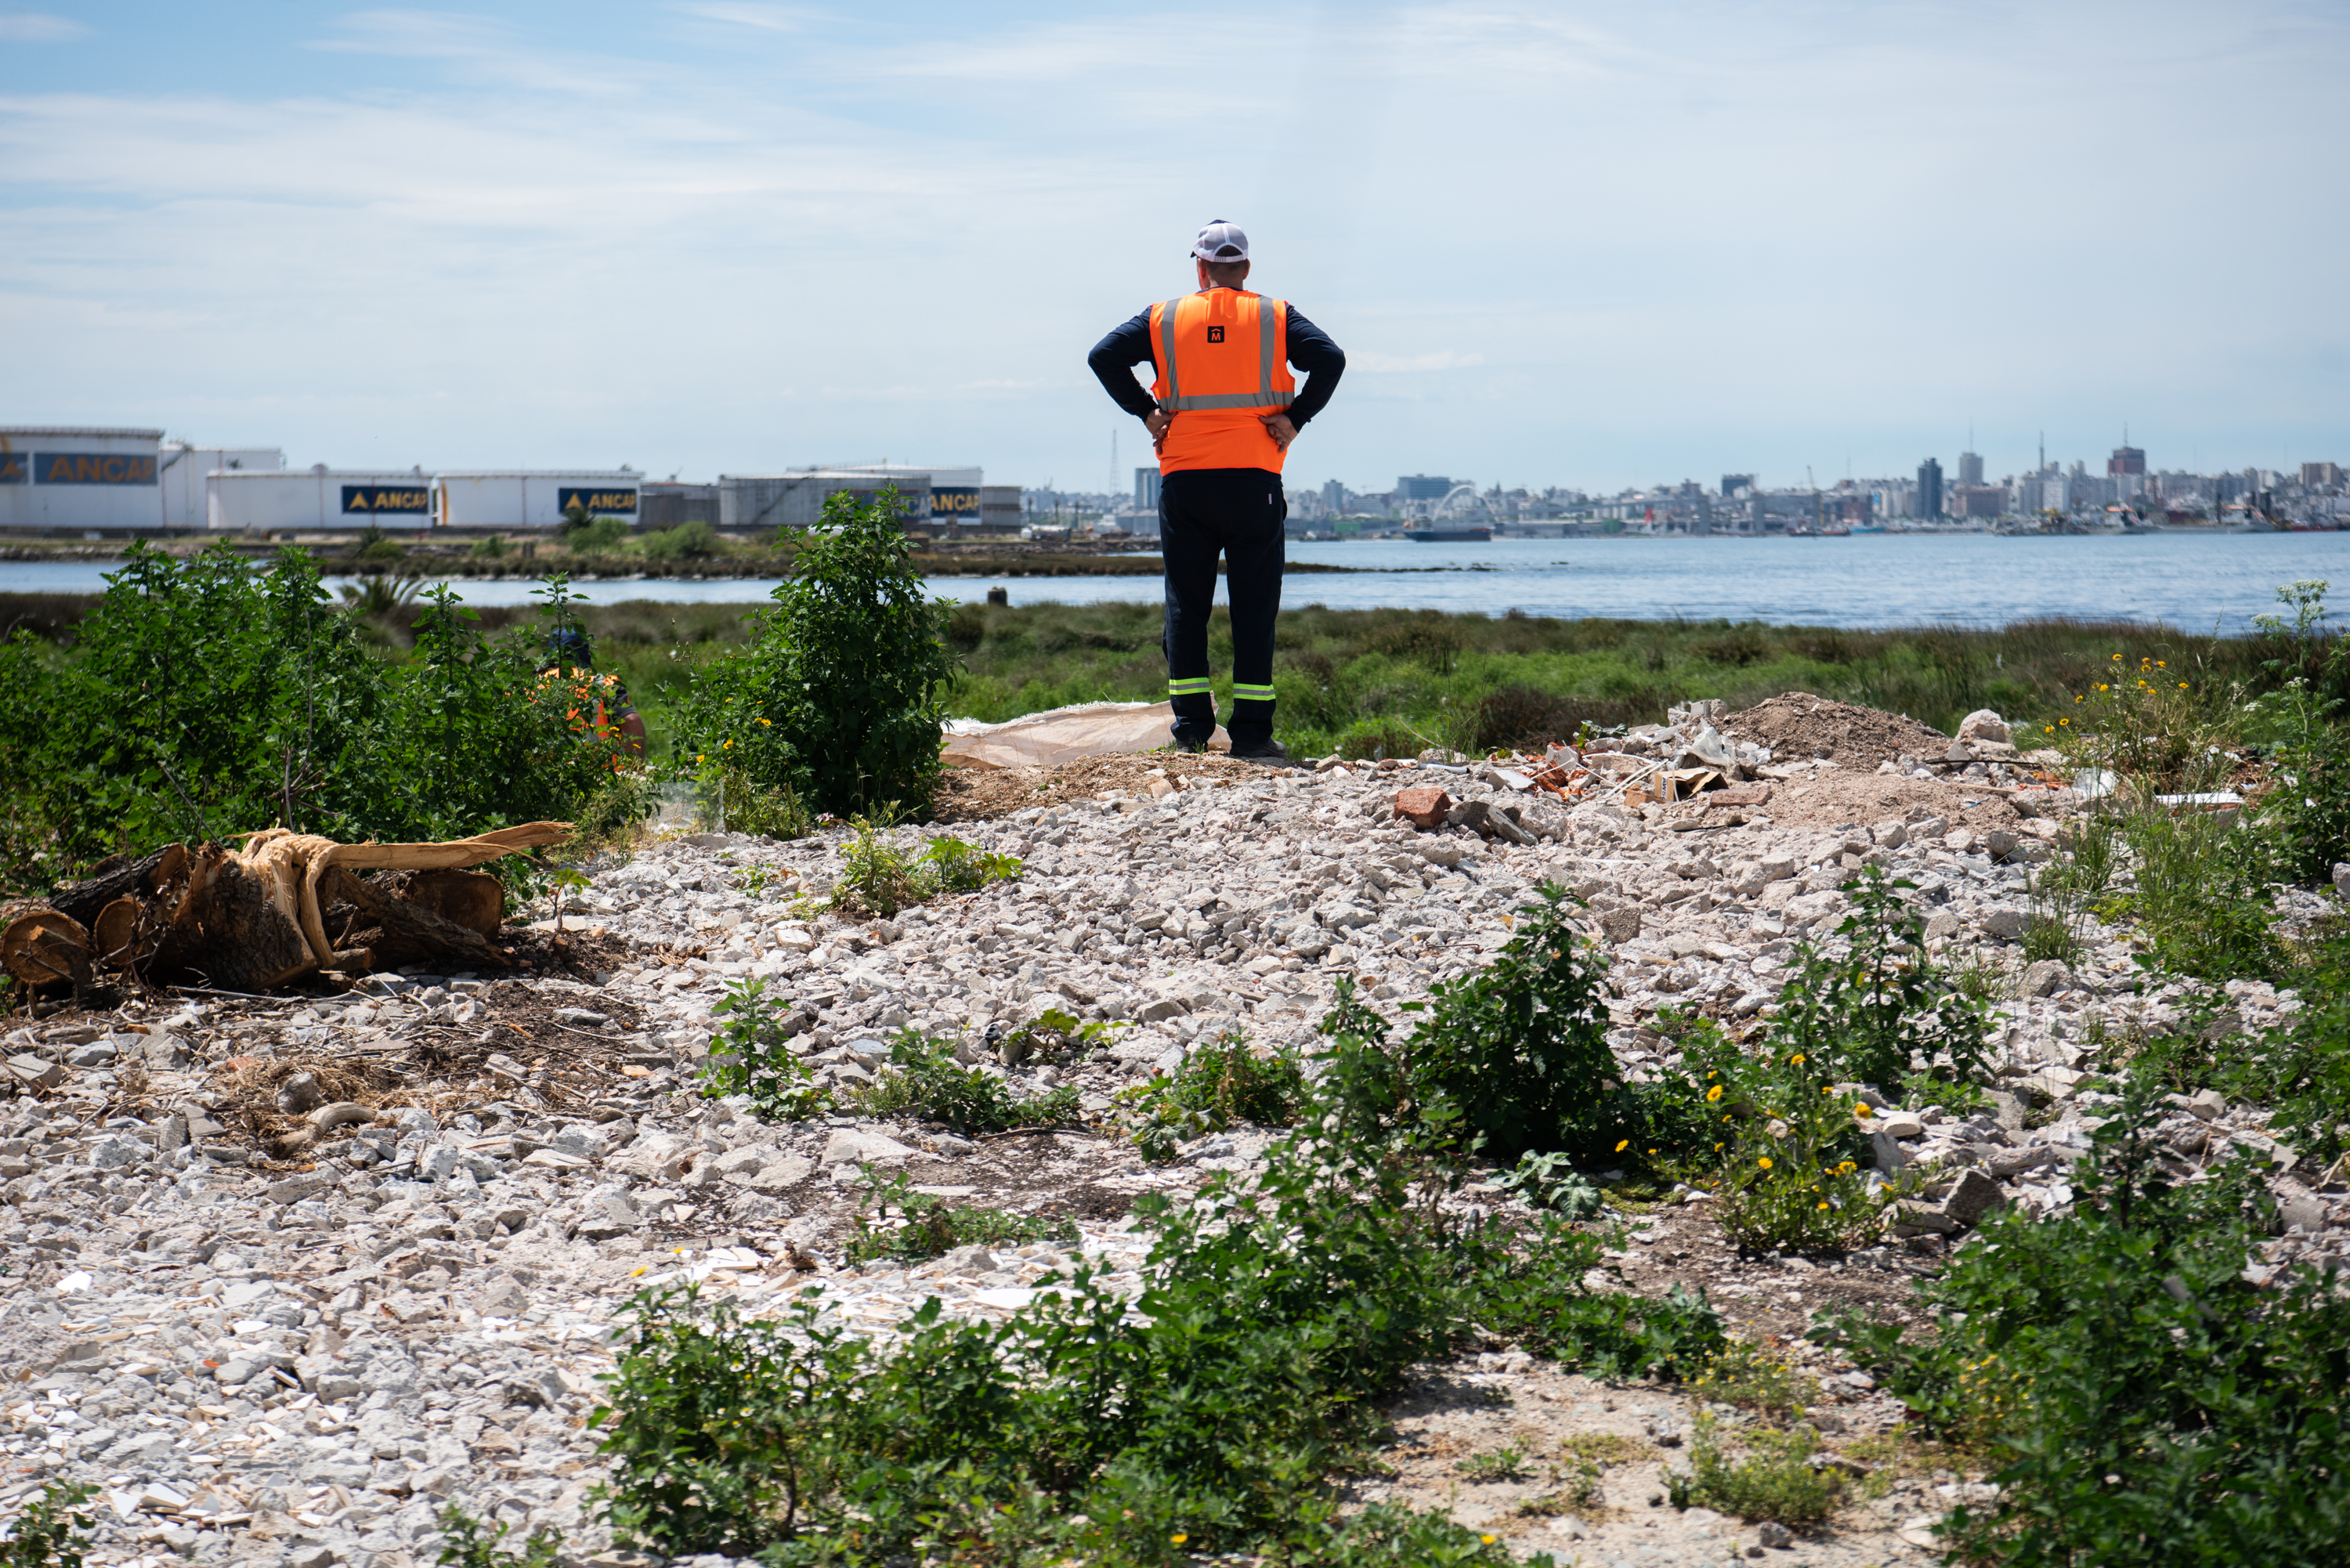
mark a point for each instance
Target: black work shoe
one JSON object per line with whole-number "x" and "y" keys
{"x": 1189, "y": 747}
{"x": 1271, "y": 752}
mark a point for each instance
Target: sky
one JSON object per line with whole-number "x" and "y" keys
{"x": 1577, "y": 244}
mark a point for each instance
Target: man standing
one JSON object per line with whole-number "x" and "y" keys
{"x": 1221, "y": 415}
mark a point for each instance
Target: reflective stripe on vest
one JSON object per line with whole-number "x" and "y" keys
{"x": 1269, "y": 360}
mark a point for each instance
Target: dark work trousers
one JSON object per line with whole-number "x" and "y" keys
{"x": 1237, "y": 513}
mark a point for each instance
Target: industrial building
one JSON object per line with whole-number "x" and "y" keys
{"x": 111, "y": 482}
{"x": 524, "y": 499}
{"x": 311, "y": 500}
{"x": 796, "y": 500}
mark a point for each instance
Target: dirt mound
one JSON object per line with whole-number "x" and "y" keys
{"x": 1800, "y": 725}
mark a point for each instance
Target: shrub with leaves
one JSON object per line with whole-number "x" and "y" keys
{"x": 1514, "y": 1054}
{"x": 923, "y": 1077}
{"x": 51, "y": 1530}
{"x": 932, "y": 1227}
{"x": 1880, "y": 1013}
{"x": 2144, "y": 1402}
{"x": 1779, "y": 1478}
{"x": 1550, "y": 1181}
{"x": 467, "y": 1541}
{"x": 209, "y": 697}
{"x": 750, "y": 1055}
{"x": 1221, "y": 1083}
{"x": 880, "y": 878}
{"x": 837, "y": 696}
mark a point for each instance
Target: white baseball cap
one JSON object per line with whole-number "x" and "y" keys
{"x": 1220, "y": 242}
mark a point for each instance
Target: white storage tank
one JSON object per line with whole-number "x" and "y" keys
{"x": 796, "y": 500}
{"x": 184, "y": 466}
{"x": 315, "y": 500}
{"x": 516, "y": 499}
{"x": 78, "y": 478}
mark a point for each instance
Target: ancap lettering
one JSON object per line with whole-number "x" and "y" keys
{"x": 380, "y": 498}
{"x": 92, "y": 468}
{"x": 566, "y": 497}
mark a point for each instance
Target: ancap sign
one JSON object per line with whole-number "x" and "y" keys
{"x": 374, "y": 499}
{"x": 92, "y": 468}
{"x": 957, "y": 501}
{"x": 595, "y": 501}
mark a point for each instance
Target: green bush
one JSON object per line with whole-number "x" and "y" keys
{"x": 1220, "y": 1084}
{"x": 465, "y": 1543}
{"x": 1513, "y": 1058}
{"x": 695, "y": 541}
{"x": 923, "y": 1077}
{"x": 878, "y": 877}
{"x": 51, "y": 1530}
{"x": 930, "y": 1227}
{"x": 1779, "y": 1480}
{"x": 2308, "y": 813}
{"x": 2144, "y": 1402}
{"x": 1881, "y": 1013}
{"x": 207, "y": 696}
{"x": 837, "y": 696}
{"x": 750, "y": 1055}
{"x": 1550, "y": 1181}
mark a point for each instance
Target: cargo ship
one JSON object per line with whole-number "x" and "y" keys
{"x": 1449, "y": 535}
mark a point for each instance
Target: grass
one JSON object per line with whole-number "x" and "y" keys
{"x": 1361, "y": 681}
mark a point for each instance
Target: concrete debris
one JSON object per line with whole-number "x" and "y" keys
{"x": 322, "y": 1264}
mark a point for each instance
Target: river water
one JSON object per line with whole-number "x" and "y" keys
{"x": 2196, "y": 581}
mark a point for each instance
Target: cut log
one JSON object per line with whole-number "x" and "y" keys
{"x": 44, "y": 947}
{"x": 404, "y": 923}
{"x": 147, "y": 875}
{"x": 114, "y": 935}
{"x": 474, "y": 899}
{"x": 248, "y": 942}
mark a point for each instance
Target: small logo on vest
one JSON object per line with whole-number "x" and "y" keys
{"x": 1215, "y": 334}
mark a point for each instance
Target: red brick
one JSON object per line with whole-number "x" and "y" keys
{"x": 1424, "y": 806}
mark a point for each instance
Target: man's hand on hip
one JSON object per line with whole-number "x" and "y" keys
{"x": 1282, "y": 432}
{"x": 1156, "y": 421}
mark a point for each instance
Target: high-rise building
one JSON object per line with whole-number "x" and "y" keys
{"x": 1930, "y": 489}
{"x": 1422, "y": 487}
{"x": 2126, "y": 460}
{"x": 2320, "y": 475}
{"x": 1734, "y": 484}
{"x": 1970, "y": 467}
{"x": 1334, "y": 496}
{"x": 1146, "y": 489}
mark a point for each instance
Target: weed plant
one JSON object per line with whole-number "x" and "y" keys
{"x": 1220, "y": 1084}
{"x": 1551, "y": 1181}
{"x": 1203, "y": 1416}
{"x": 878, "y": 877}
{"x": 1779, "y": 1478}
{"x": 2142, "y": 1401}
{"x": 50, "y": 1531}
{"x": 925, "y": 1077}
{"x": 467, "y": 1541}
{"x": 836, "y": 697}
{"x": 2307, "y": 815}
{"x": 730, "y": 799}
{"x": 1751, "y": 1377}
{"x": 1512, "y": 1059}
{"x": 750, "y": 1055}
{"x": 930, "y": 1227}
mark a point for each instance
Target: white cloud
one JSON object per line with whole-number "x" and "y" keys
{"x": 762, "y": 18}
{"x": 38, "y": 27}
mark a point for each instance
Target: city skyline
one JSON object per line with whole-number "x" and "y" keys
{"x": 1557, "y": 240}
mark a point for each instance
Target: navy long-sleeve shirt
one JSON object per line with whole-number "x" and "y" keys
{"x": 1310, "y": 350}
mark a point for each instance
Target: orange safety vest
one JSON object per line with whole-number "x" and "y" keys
{"x": 1224, "y": 366}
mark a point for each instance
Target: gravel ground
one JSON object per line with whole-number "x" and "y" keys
{"x": 273, "y": 1340}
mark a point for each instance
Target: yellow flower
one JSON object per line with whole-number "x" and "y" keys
{"x": 1619, "y": 1148}
{"x": 1861, "y": 1110}
{"x": 1824, "y": 1203}
{"x": 2182, "y": 686}
{"x": 769, "y": 722}
{"x": 1796, "y": 1060}
{"x": 1713, "y": 1093}
{"x": 1764, "y": 1162}
{"x": 2116, "y": 656}
{"x": 1179, "y": 1539}
{"x": 1486, "y": 1539}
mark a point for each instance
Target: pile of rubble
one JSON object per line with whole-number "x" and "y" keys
{"x": 288, "y": 1276}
